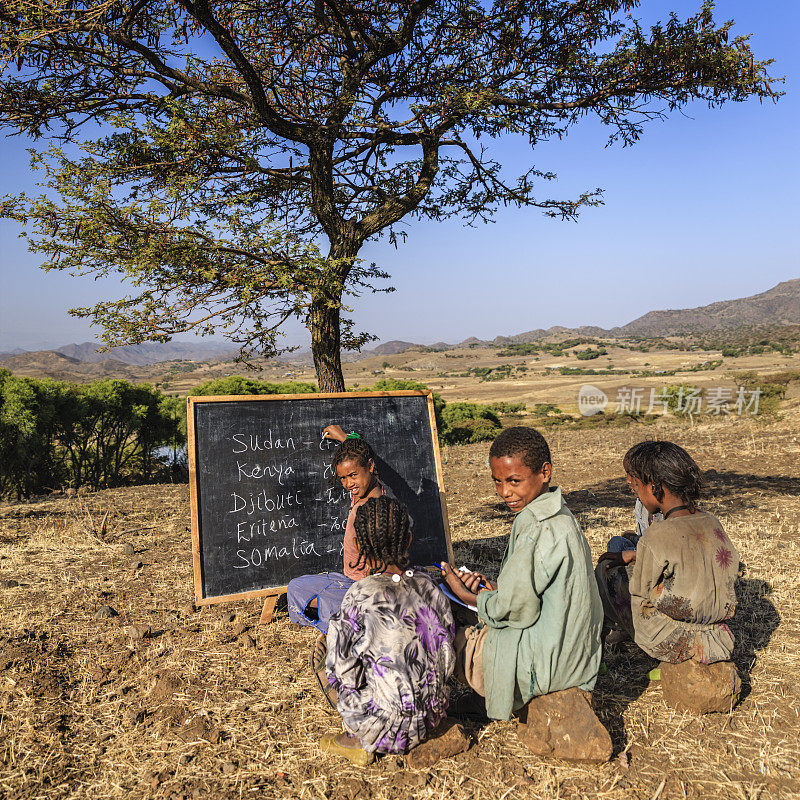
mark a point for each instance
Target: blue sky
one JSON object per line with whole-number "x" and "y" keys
{"x": 702, "y": 209}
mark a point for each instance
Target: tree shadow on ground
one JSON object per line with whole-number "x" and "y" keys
{"x": 624, "y": 682}
{"x": 755, "y": 621}
{"x": 721, "y": 487}
{"x": 482, "y": 555}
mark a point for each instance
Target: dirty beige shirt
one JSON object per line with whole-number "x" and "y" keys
{"x": 682, "y": 589}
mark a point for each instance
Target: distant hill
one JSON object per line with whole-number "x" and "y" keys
{"x": 151, "y": 353}
{"x": 57, "y": 365}
{"x": 390, "y": 348}
{"x": 777, "y": 306}
{"x": 15, "y": 352}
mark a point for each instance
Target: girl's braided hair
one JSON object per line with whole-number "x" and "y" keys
{"x": 382, "y": 533}
{"x": 665, "y": 464}
{"x": 353, "y": 450}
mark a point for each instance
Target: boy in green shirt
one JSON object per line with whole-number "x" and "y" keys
{"x": 539, "y": 624}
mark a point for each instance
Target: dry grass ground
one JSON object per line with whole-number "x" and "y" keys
{"x": 165, "y": 701}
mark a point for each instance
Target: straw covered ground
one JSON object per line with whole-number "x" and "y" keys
{"x": 166, "y": 701}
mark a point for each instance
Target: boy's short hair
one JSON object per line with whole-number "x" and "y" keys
{"x": 665, "y": 464}
{"x": 527, "y": 443}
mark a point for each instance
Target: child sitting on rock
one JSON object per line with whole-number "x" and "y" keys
{"x": 675, "y": 591}
{"x": 390, "y": 647}
{"x": 539, "y": 624}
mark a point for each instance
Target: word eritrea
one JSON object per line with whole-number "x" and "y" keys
{"x": 258, "y": 556}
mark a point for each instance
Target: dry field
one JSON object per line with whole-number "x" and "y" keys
{"x": 166, "y": 701}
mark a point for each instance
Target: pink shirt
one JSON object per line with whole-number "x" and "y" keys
{"x": 351, "y": 552}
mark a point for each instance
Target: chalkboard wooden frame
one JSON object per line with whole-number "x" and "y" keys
{"x": 276, "y": 591}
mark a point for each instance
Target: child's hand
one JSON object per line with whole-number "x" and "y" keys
{"x": 334, "y": 432}
{"x": 455, "y": 582}
{"x": 475, "y": 581}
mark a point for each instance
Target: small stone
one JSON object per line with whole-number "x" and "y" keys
{"x": 393, "y": 762}
{"x": 105, "y": 612}
{"x": 701, "y": 688}
{"x": 133, "y": 715}
{"x": 563, "y": 725}
{"x": 228, "y": 768}
{"x": 8, "y": 583}
{"x": 138, "y": 631}
{"x": 127, "y": 549}
{"x": 415, "y": 778}
{"x": 447, "y": 740}
{"x": 164, "y": 689}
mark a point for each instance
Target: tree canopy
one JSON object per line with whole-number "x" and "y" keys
{"x": 230, "y": 159}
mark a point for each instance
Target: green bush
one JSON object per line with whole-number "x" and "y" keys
{"x": 501, "y": 407}
{"x": 456, "y": 413}
{"x": 238, "y": 385}
{"x": 471, "y": 431}
{"x": 101, "y": 434}
{"x": 543, "y": 409}
{"x": 589, "y": 354}
{"x": 519, "y": 349}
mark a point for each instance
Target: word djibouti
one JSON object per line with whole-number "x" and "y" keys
{"x": 717, "y": 400}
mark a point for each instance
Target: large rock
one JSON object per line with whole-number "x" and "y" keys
{"x": 701, "y": 688}
{"x": 563, "y": 725}
{"x": 446, "y": 741}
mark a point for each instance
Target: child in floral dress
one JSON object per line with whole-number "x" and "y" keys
{"x": 390, "y": 647}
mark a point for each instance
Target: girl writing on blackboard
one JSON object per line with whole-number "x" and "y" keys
{"x": 390, "y": 646}
{"x": 313, "y": 598}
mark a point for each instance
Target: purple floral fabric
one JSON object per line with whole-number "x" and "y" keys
{"x": 390, "y": 653}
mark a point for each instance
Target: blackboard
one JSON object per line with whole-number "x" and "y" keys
{"x": 266, "y": 506}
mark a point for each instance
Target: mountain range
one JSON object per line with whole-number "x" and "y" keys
{"x": 777, "y": 306}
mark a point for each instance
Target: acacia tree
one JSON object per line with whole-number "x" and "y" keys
{"x": 230, "y": 159}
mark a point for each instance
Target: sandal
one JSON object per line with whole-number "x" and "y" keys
{"x": 346, "y": 746}
{"x": 317, "y": 663}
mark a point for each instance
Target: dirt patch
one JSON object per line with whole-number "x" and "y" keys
{"x": 88, "y": 710}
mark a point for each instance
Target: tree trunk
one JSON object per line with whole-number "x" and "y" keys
{"x": 326, "y": 341}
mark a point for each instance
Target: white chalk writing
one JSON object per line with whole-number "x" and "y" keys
{"x": 260, "y": 555}
{"x": 260, "y": 502}
{"x": 253, "y": 442}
